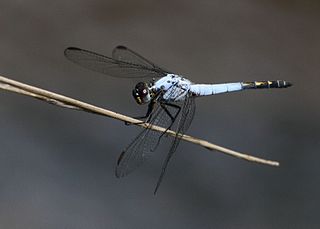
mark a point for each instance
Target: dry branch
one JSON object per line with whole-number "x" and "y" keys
{"x": 66, "y": 102}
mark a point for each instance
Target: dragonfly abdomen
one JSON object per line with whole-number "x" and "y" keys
{"x": 212, "y": 89}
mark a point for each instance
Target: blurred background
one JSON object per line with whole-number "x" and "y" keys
{"x": 57, "y": 165}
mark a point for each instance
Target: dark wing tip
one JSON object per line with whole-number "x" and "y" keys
{"x": 120, "y": 157}
{"x": 121, "y": 47}
{"x": 118, "y": 171}
{"x": 73, "y": 48}
{"x": 116, "y": 49}
{"x": 66, "y": 51}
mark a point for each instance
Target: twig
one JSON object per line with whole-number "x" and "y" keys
{"x": 66, "y": 102}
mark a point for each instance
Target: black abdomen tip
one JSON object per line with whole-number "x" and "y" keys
{"x": 266, "y": 84}
{"x": 283, "y": 84}
{"x": 288, "y": 84}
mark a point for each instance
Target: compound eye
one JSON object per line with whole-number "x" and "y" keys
{"x": 141, "y": 93}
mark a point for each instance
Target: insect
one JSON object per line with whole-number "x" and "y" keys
{"x": 170, "y": 98}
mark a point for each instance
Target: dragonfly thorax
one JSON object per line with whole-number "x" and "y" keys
{"x": 174, "y": 87}
{"x": 141, "y": 93}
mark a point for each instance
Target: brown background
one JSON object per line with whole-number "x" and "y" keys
{"x": 57, "y": 166}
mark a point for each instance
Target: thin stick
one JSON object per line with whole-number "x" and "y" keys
{"x": 66, "y": 102}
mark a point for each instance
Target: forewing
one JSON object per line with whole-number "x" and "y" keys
{"x": 111, "y": 66}
{"x": 125, "y": 54}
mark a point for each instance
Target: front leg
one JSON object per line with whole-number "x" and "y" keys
{"x": 150, "y": 108}
{"x": 146, "y": 116}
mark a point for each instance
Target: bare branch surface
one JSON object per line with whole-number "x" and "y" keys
{"x": 67, "y": 102}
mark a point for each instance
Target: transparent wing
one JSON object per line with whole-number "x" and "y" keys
{"x": 187, "y": 114}
{"x": 146, "y": 142}
{"x": 125, "y": 54}
{"x": 143, "y": 145}
{"x": 125, "y": 64}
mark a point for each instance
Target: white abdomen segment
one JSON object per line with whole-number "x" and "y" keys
{"x": 212, "y": 89}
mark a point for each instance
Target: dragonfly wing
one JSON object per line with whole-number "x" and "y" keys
{"x": 143, "y": 145}
{"x": 187, "y": 114}
{"x": 111, "y": 66}
{"x": 134, "y": 155}
{"x": 146, "y": 142}
{"x": 125, "y": 54}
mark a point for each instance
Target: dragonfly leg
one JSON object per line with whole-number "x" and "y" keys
{"x": 147, "y": 116}
{"x": 172, "y": 117}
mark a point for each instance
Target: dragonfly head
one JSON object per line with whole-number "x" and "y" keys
{"x": 141, "y": 93}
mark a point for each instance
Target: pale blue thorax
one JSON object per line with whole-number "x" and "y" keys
{"x": 174, "y": 86}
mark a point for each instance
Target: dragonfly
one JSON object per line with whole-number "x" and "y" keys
{"x": 170, "y": 98}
